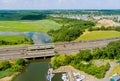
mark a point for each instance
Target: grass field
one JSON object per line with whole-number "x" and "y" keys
{"x": 98, "y": 35}
{"x": 5, "y": 73}
{"x": 33, "y": 26}
{"x": 12, "y": 38}
{"x": 15, "y": 40}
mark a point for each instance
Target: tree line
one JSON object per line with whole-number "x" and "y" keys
{"x": 7, "y": 68}
{"x": 117, "y": 28}
{"x": 70, "y": 30}
{"x": 24, "y": 40}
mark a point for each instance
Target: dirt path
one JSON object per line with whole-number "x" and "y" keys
{"x": 106, "y": 78}
{"x": 6, "y": 78}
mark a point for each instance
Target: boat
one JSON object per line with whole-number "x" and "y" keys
{"x": 48, "y": 77}
{"x": 64, "y": 77}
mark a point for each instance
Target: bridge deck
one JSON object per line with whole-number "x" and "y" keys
{"x": 45, "y": 50}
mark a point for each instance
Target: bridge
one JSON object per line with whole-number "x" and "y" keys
{"x": 46, "y": 50}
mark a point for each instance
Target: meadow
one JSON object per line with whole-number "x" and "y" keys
{"x": 11, "y": 38}
{"x": 98, "y": 35}
{"x": 29, "y": 25}
{"x": 14, "y": 40}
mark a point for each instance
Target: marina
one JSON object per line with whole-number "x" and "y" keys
{"x": 65, "y": 75}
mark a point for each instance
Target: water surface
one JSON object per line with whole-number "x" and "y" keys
{"x": 37, "y": 71}
{"x": 37, "y": 37}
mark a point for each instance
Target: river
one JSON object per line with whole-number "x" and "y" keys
{"x": 37, "y": 37}
{"x": 37, "y": 71}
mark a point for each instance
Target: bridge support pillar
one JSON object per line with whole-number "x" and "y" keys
{"x": 44, "y": 57}
{"x": 33, "y": 58}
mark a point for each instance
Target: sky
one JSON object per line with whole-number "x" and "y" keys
{"x": 58, "y": 4}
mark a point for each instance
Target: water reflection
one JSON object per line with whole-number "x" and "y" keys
{"x": 37, "y": 71}
{"x": 37, "y": 37}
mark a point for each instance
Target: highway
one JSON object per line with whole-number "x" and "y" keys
{"x": 45, "y": 50}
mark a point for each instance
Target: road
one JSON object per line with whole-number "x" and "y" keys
{"x": 44, "y": 50}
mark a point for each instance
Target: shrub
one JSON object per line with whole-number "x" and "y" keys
{"x": 14, "y": 68}
{"x": 4, "y": 65}
{"x": 21, "y": 62}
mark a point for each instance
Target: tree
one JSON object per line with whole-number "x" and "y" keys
{"x": 21, "y": 62}
{"x": 85, "y": 55}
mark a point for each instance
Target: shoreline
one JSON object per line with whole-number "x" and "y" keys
{"x": 10, "y": 78}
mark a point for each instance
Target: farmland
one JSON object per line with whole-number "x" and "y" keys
{"x": 98, "y": 35}
{"x": 32, "y": 26}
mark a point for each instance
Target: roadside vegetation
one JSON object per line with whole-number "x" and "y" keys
{"x": 7, "y": 68}
{"x": 84, "y": 59}
{"x": 15, "y": 40}
{"x": 70, "y": 30}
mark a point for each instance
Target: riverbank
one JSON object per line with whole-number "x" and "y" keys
{"x": 35, "y": 71}
{"x": 15, "y": 40}
{"x": 10, "y": 78}
{"x": 22, "y": 37}
{"x": 10, "y": 69}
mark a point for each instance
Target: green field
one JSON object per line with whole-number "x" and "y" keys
{"x": 5, "y": 73}
{"x": 12, "y": 38}
{"x": 15, "y": 40}
{"x": 98, "y": 35}
{"x": 32, "y": 26}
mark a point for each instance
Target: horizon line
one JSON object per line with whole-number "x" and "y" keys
{"x": 59, "y": 9}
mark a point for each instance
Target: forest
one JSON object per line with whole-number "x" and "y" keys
{"x": 36, "y": 14}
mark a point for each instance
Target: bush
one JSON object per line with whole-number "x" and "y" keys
{"x": 117, "y": 28}
{"x": 4, "y": 65}
{"x": 15, "y": 68}
{"x": 84, "y": 55}
{"x": 21, "y": 62}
